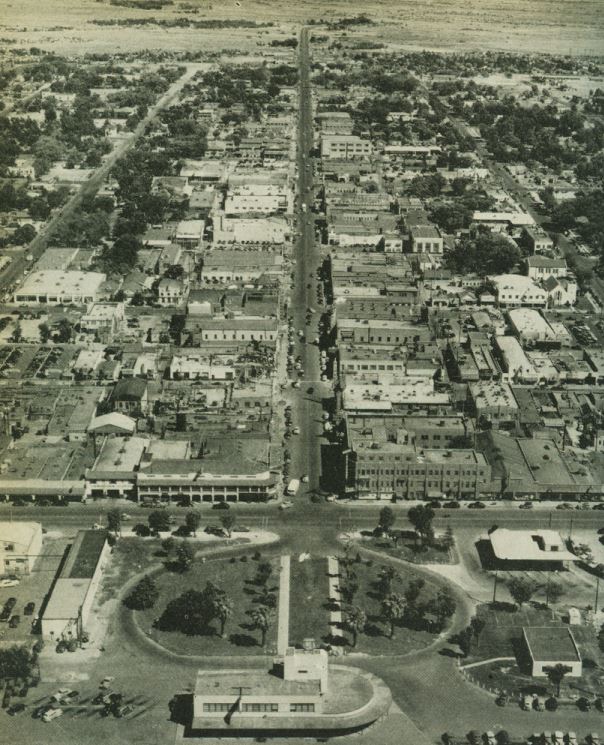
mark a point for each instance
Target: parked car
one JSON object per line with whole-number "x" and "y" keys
{"x": 51, "y": 714}
{"x": 526, "y": 506}
{"x": 15, "y": 621}
{"x": 454, "y": 504}
{"x": 490, "y": 738}
{"x": 539, "y": 703}
{"x": 10, "y": 604}
{"x": 9, "y": 582}
{"x": 29, "y": 608}
{"x": 476, "y": 506}
{"x": 558, "y": 737}
{"x": 526, "y": 703}
{"x": 123, "y": 711}
{"x": 572, "y": 738}
{"x": 15, "y": 709}
{"x": 221, "y": 506}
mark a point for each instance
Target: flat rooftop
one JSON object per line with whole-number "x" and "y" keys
{"x": 551, "y": 643}
{"x": 256, "y": 682}
{"x": 529, "y": 545}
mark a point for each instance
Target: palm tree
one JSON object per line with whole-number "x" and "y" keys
{"x": 262, "y": 618}
{"x": 387, "y": 576}
{"x": 223, "y": 610}
{"x": 556, "y": 674}
{"x": 393, "y": 609}
{"x": 356, "y": 620}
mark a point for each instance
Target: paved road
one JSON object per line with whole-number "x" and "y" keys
{"x": 306, "y": 456}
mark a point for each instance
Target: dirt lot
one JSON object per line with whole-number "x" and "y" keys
{"x": 563, "y": 27}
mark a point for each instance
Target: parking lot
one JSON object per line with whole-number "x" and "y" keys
{"x": 32, "y": 588}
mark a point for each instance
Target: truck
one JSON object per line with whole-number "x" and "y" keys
{"x": 292, "y": 487}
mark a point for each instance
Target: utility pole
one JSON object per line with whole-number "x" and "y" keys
{"x": 495, "y": 588}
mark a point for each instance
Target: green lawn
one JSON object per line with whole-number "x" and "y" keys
{"x": 408, "y": 636}
{"x": 236, "y": 578}
{"x": 309, "y": 594}
{"x": 410, "y": 550}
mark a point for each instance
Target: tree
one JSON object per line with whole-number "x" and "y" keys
{"x": 159, "y": 520}
{"x": 413, "y": 591}
{"x": 556, "y": 674}
{"x": 23, "y": 234}
{"x": 114, "y": 520}
{"x": 554, "y": 592}
{"x": 356, "y": 621}
{"x": 486, "y": 253}
{"x": 45, "y": 332}
{"x": 443, "y": 606}
{"x": 192, "y": 521}
{"x": 263, "y": 573}
{"x": 477, "y": 625}
{"x": 223, "y": 609}
{"x": 387, "y": 519}
{"x": 124, "y": 251}
{"x": 64, "y": 331}
{"x": 262, "y": 618}
{"x": 350, "y": 587}
{"x": 185, "y": 555}
{"x": 387, "y": 576}
{"x": 421, "y": 518}
{"x": 168, "y": 545}
{"x": 15, "y": 662}
{"x": 447, "y": 540}
{"x": 144, "y": 595}
{"x": 228, "y": 522}
{"x": 521, "y": 590}
{"x": 393, "y": 609}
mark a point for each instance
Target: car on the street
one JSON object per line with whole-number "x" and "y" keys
{"x": 123, "y": 711}
{"x": 9, "y": 582}
{"x": 564, "y": 506}
{"x": 476, "y": 506}
{"x": 454, "y": 504}
{"x": 221, "y": 506}
{"x": 286, "y": 505}
{"x": 296, "y": 431}
{"x": 526, "y": 506}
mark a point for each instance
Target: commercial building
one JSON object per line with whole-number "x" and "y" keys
{"x": 548, "y": 646}
{"x": 55, "y": 287}
{"x": 542, "y": 267}
{"x": 344, "y": 147}
{"x": 103, "y": 317}
{"x": 515, "y": 289}
{"x": 531, "y": 327}
{"x": 20, "y": 546}
{"x": 386, "y": 469}
{"x": 494, "y": 401}
{"x": 529, "y": 549}
{"x": 67, "y": 613}
{"x": 425, "y": 239}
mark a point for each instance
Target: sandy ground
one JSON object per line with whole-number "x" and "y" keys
{"x": 556, "y": 26}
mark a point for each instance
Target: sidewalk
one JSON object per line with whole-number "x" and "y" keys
{"x": 283, "y": 617}
{"x": 333, "y": 578}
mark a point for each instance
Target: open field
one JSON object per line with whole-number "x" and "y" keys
{"x": 555, "y": 26}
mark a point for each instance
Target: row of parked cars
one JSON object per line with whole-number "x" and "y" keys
{"x": 112, "y": 703}
{"x": 6, "y": 614}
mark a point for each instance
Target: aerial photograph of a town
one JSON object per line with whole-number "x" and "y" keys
{"x": 302, "y": 372}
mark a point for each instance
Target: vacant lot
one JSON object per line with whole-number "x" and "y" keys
{"x": 238, "y": 579}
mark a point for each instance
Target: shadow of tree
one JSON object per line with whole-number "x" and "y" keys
{"x": 243, "y": 640}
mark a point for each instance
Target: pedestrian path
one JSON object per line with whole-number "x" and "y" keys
{"x": 333, "y": 577}
{"x": 283, "y": 619}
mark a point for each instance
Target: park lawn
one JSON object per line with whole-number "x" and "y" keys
{"x": 309, "y": 598}
{"x": 129, "y": 557}
{"x": 374, "y": 640}
{"x": 236, "y": 578}
{"x": 410, "y": 550}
